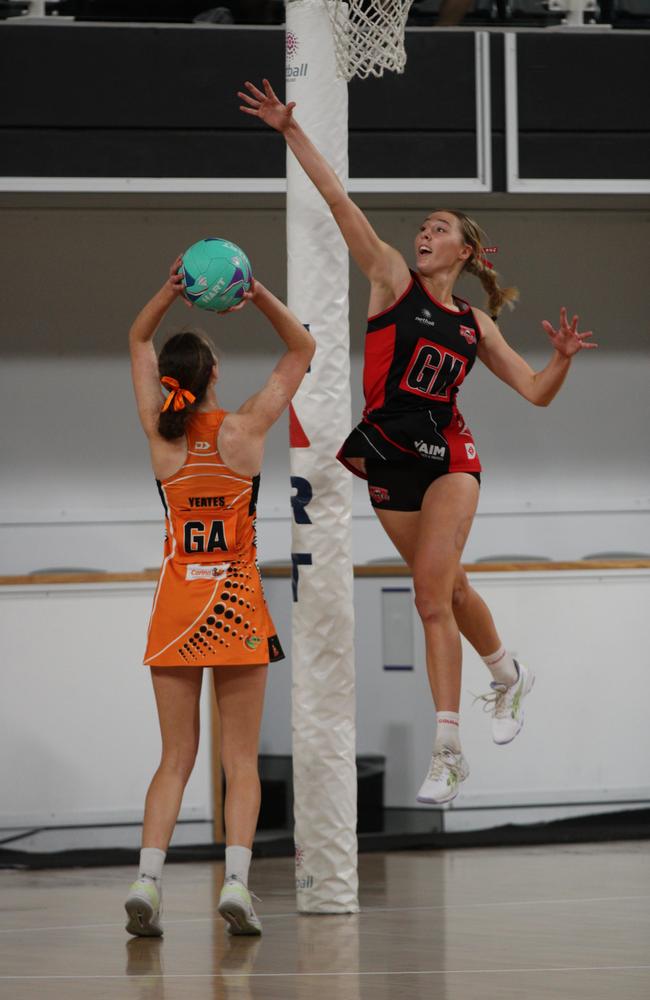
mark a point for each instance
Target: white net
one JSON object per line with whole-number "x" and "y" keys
{"x": 368, "y": 36}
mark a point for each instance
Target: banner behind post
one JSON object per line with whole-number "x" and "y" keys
{"x": 323, "y": 623}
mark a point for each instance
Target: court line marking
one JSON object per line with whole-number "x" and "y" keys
{"x": 324, "y": 975}
{"x": 365, "y": 911}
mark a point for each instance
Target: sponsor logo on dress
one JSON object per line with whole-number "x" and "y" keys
{"x": 252, "y": 641}
{"x": 425, "y": 317}
{"x": 379, "y": 494}
{"x": 471, "y": 451}
{"x": 437, "y": 451}
{"x": 202, "y": 446}
{"x": 468, "y": 334}
{"x": 201, "y": 571}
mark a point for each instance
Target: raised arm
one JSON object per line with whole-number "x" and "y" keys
{"x": 540, "y": 387}
{"x": 144, "y": 363}
{"x": 241, "y": 439}
{"x": 381, "y": 263}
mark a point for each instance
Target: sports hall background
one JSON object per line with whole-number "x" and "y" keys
{"x": 560, "y": 483}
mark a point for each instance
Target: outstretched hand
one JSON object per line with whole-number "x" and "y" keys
{"x": 566, "y": 340}
{"x": 267, "y": 106}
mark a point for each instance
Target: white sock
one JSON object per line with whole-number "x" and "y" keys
{"x": 151, "y": 864}
{"x": 238, "y": 861}
{"x": 447, "y": 731}
{"x": 502, "y": 667}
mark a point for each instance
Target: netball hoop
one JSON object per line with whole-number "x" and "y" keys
{"x": 368, "y": 36}
{"x": 323, "y": 703}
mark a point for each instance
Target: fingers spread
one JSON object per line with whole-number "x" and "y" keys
{"x": 249, "y": 100}
{"x": 255, "y": 92}
{"x": 268, "y": 89}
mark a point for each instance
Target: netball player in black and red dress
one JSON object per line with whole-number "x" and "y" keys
{"x": 414, "y": 447}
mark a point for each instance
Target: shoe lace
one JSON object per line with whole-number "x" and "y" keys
{"x": 496, "y": 701}
{"x": 441, "y": 760}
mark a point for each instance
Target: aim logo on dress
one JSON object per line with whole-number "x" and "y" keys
{"x": 437, "y": 451}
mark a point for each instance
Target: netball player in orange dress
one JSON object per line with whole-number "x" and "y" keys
{"x": 209, "y": 608}
{"x": 413, "y": 446}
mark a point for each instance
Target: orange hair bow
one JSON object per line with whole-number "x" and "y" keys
{"x": 176, "y": 394}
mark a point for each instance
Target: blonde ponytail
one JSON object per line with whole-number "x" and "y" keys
{"x": 498, "y": 297}
{"x": 478, "y": 265}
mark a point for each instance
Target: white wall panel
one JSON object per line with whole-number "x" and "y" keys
{"x": 79, "y": 737}
{"x": 585, "y": 740}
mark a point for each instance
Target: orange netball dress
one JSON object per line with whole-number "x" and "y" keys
{"x": 209, "y": 608}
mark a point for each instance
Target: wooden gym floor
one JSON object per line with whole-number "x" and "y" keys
{"x": 568, "y": 922}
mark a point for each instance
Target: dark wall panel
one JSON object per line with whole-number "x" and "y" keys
{"x": 154, "y": 153}
{"x": 109, "y": 77}
{"x": 583, "y": 83}
{"x": 404, "y": 154}
{"x": 139, "y": 77}
{"x": 436, "y": 91}
{"x": 590, "y": 155}
{"x": 178, "y": 153}
{"x": 153, "y": 101}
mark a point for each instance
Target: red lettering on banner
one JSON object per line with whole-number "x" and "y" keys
{"x": 297, "y": 436}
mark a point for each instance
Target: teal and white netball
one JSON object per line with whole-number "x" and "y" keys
{"x": 216, "y": 274}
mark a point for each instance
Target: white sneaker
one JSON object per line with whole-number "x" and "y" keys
{"x": 505, "y": 705}
{"x": 236, "y": 908}
{"x": 144, "y": 906}
{"x": 446, "y": 772}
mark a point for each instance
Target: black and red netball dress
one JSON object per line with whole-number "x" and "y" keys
{"x": 417, "y": 355}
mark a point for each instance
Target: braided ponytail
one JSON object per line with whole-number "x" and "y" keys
{"x": 497, "y": 296}
{"x": 479, "y": 266}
